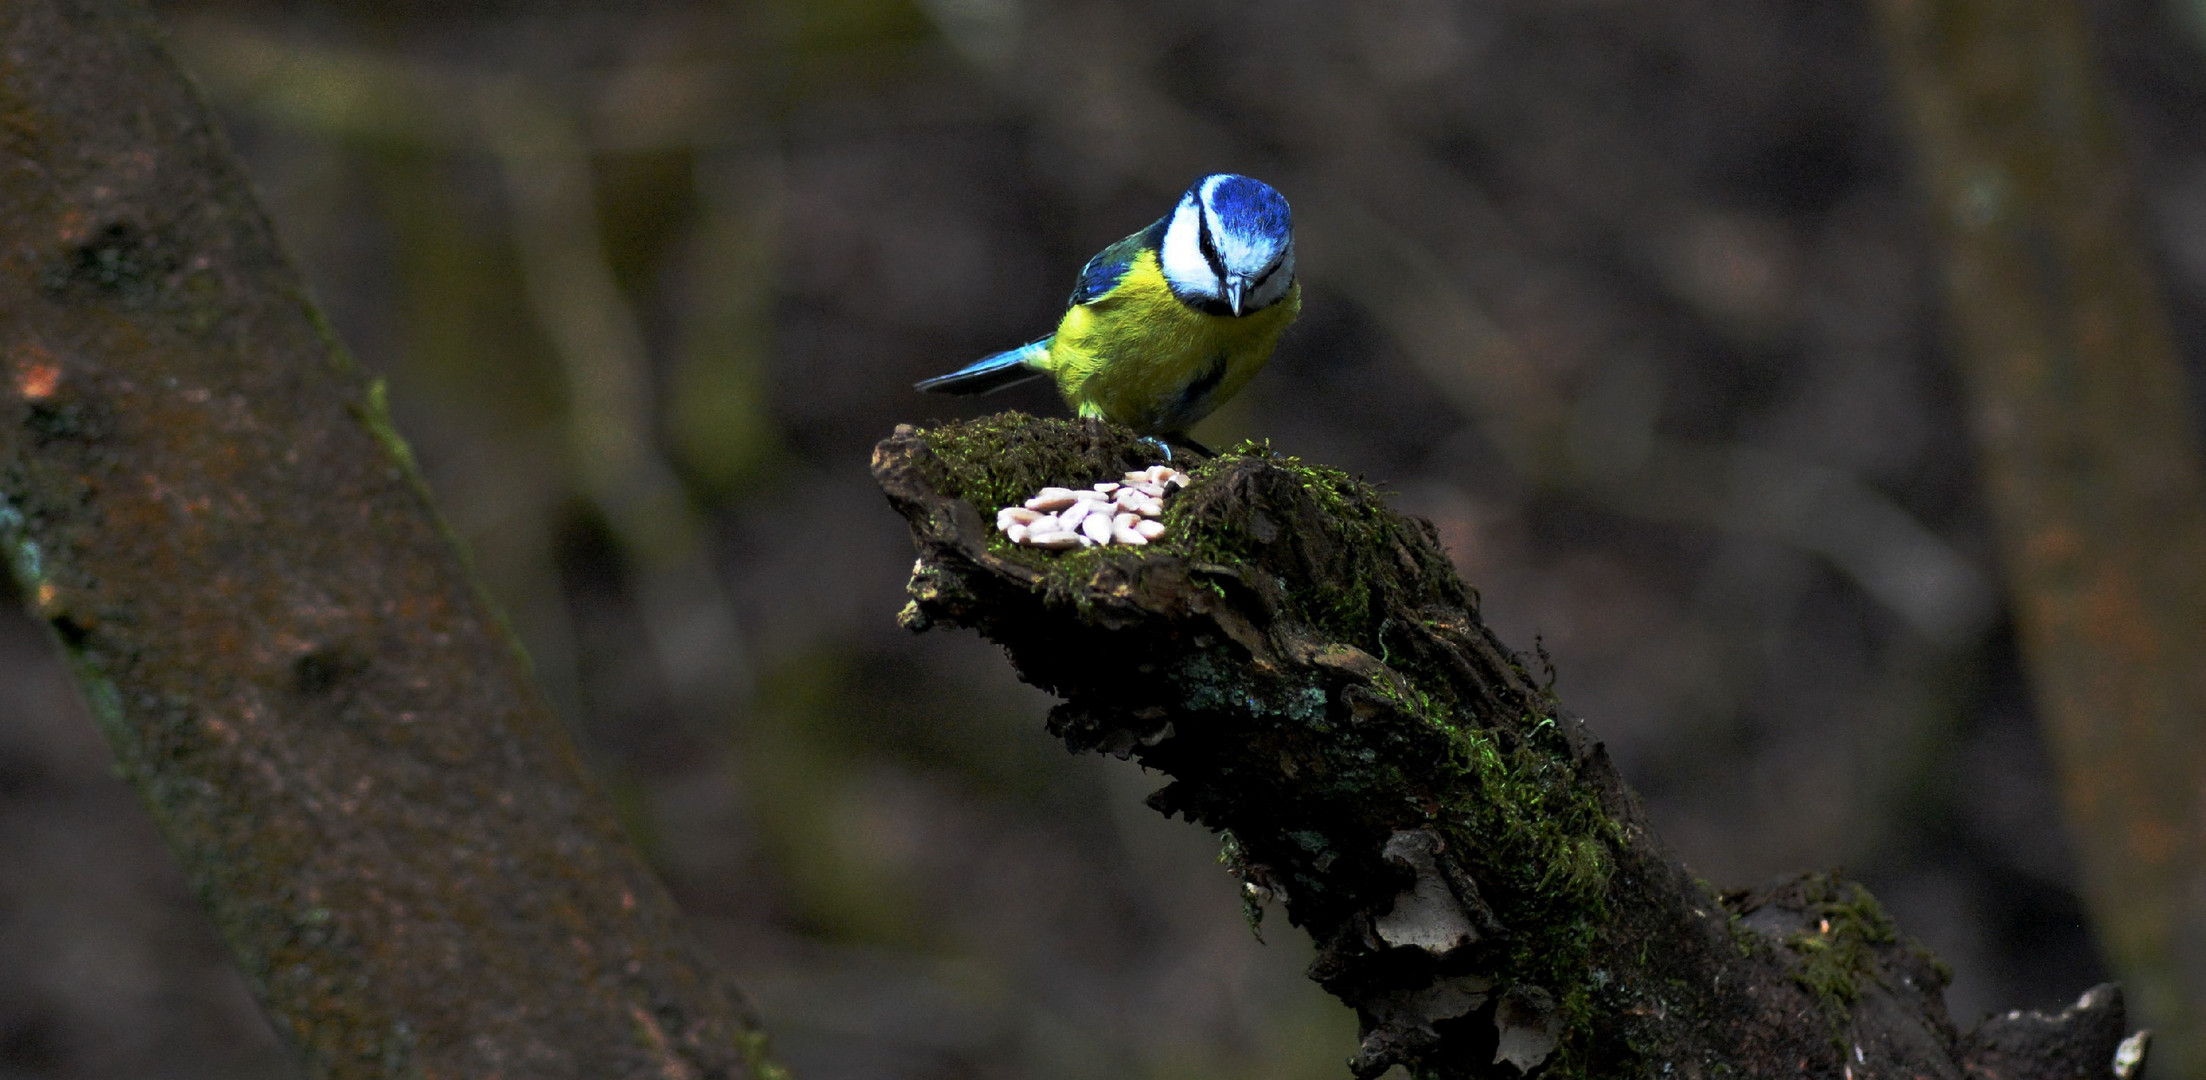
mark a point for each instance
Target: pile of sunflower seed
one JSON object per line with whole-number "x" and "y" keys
{"x": 1122, "y": 513}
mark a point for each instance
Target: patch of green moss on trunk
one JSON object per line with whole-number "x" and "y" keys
{"x": 1002, "y": 460}
{"x": 1540, "y": 844}
{"x": 1835, "y": 954}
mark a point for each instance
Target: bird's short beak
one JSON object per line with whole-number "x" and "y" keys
{"x": 1234, "y": 286}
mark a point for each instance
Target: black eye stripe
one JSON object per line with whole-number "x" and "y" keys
{"x": 1210, "y": 249}
{"x": 1267, "y": 274}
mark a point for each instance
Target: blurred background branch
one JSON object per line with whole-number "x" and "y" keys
{"x": 2082, "y": 415}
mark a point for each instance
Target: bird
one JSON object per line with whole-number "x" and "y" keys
{"x": 1167, "y": 324}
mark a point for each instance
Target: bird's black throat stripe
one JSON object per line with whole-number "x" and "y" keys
{"x": 1204, "y": 383}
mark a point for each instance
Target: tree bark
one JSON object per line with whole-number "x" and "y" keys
{"x": 203, "y": 496}
{"x": 2080, "y": 413}
{"x": 1482, "y": 887}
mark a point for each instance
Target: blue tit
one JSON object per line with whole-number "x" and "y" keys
{"x": 1167, "y": 324}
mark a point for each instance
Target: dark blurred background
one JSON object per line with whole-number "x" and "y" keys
{"x": 1636, "y": 302}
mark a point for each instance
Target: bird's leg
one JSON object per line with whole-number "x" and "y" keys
{"x": 1163, "y": 447}
{"x": 1181, "y": 439}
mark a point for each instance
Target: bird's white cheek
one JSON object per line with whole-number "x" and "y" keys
{"x": 1182, "y": 259}
{"x": 1274, "y": 287}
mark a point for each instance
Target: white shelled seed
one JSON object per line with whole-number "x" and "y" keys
{"x": 1051, "y": 498}
{"x": 1112, "y": 512}
{"x": 1055, "y": 541}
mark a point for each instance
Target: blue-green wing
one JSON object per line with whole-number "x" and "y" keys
{"x": 1109, "y": 266}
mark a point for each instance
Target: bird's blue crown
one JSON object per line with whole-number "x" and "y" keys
{"x": 1246, "y": 206}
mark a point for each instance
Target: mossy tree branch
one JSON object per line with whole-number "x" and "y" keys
{"x": 203, "y": 497}
{"x": 1483, "y": 889}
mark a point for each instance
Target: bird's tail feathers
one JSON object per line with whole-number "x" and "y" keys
{"x": 991, "y": 373}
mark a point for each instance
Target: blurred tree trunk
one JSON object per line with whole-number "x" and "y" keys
{"x": 2080, "y": 414}
{"x": 202, "y": 495}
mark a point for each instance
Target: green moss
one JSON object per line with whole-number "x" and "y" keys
{"x": 1542, "y": 846}
{"x": 1534, "y": 837}
{"x": 1409, "y": 697}
{"x": 1836, "y": 954}
{"x": 375, "y": 415}
{"x": 1235, "y": 859}
{"x": 1343, "y": 518}
{"x": 22, "y": 552}
{"x": 756, "y": 1054}
{"x": 1002, "y": 460}
{"x": 100, "y": 694}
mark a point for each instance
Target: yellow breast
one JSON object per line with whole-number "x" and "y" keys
{"x": 1139, "y": 357}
